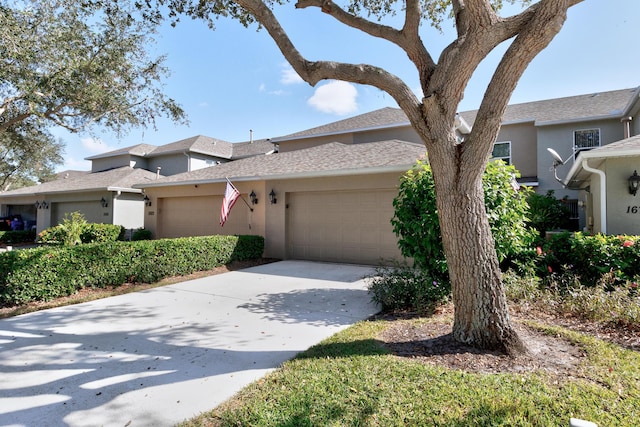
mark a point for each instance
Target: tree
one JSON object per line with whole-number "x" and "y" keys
{"x": 67, "y": 63}
{"x": 481, "y": 314}
{"x": 27, "y": 158}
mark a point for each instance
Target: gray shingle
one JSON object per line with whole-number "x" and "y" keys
{"x": 123, "y": 177}
{"x": 328, "y": 158}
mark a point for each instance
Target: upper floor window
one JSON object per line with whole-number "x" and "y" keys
{"x": 502, "y": 151}
{"x": 585, "y": 139}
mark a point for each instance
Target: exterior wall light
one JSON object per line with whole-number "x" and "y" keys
{"x": 634, "y": 183}
{"x": 253, "y": 197}
{"x": 272, "y": 197}
{"x": 104, "y": 203}
{"x": 44, "y": 205}
{"x": 147, "y": 200}
{"x": 37, "y": 204}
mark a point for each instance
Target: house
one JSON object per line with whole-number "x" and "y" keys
{"x": 326, "y": 193}
{"x": 330, "y": 202}
{"x": 608, "y": 181}
{"x": 106, "y": 194}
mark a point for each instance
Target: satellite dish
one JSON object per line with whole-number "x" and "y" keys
{"x": 556, "y": 157}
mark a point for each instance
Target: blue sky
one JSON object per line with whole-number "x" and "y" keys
{"x": 233, "y": 80}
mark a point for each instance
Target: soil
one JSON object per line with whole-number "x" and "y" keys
{"x": 431, "y": 342}
{"x": 428, "y": 340}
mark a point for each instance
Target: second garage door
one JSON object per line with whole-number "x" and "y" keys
{"x": 199, "y": 216}
{"x": 350, "y": 226}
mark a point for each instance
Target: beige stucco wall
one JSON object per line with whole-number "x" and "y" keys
{"x": 128, "y": 210}
{"x": 623, "y": 209}
{"x": 523, "y": 146}
{"x": 268, "y": 220}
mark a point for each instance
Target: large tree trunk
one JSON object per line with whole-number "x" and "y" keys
{"x": 481, "y": 312}
{"x": 481, "y": 316}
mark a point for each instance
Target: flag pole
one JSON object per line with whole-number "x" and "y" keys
{"x": 245, "y": 202}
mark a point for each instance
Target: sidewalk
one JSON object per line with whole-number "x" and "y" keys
{"x": 160, "y": 356}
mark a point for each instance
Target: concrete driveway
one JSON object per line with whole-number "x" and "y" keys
{"x": 160, "y": 356}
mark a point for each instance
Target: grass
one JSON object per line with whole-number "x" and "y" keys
{"x": 351, "y": 380}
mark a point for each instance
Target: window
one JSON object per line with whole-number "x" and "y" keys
{"x": 502, "y": 151}
{"x": 585, "y": 139}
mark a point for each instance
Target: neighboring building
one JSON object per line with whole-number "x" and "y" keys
{"x": 106, "y": 195}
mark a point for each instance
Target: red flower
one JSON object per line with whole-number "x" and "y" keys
{"x": 627, "y": 243}
{"x": 550, "y": 269}
{"x": 634, "y": 285}
{"x": 539, "y": 250}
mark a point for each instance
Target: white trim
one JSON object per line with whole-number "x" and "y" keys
{"x": 502, "y": 157}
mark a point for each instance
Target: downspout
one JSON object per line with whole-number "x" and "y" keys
{"x": 603, "y": 194}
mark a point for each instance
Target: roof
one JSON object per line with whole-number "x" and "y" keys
{"x": 111, "y": 180}
{"x": 196, "y": 144}
{"x": 134, "y": 150}
{"x": 611, "y": 104}
{"x": 332, "y": 159}
{"x": 199, "y": 144}
{"x": 602, "y": 105}
{"x": 384, "y": 117}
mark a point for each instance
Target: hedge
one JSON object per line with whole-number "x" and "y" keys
{"x": 19, "y": 236}
{"x": 41, "y": 274}
{"x": 592, "y": 260}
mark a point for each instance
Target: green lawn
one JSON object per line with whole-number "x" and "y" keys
{"x": 352, "y": 380}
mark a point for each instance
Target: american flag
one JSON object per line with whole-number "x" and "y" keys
{"x": 231, "y": 195}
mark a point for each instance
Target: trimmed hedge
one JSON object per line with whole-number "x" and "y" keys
{"x": 88, "y": 233}
{"x": 19, "y": 236}
{"x": 44, "y": 273}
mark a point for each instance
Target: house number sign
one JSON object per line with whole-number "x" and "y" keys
{"x": 633, "y": 209}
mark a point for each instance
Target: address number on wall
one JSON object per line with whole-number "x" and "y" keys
{"x": 633, "y": 209}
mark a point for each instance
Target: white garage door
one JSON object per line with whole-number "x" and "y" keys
{"x": 350, "y": 226}
{"x": 199, "y": 216}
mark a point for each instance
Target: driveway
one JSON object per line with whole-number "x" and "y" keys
{"x": 160, "y": 356}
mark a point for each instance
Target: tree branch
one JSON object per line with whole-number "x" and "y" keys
{"x": 313, "y": 72}
{"x": 546, "y": 20}
{"x": 407, "y": 39}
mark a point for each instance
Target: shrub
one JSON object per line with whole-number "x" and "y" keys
{"x": 547, "y": 213}
{"x": 49, "y": 272}
{"x": 75, "y": 230}
{"x": 18, "y": 236}
{"x": 415, "y": 220}
{"x": 594, "y": 260}
{"x": 141, "y": 234}
{"x": 407, "y": 288}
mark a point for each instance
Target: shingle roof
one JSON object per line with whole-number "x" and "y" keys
{"x": 331, "y": 159}
{"x": 197, "y": 144}
{"x": 246, "y": 149}
{"x": 375, "y": 119}
{"x": 121, "y": 178}
{"x": 580, "y": 107}
{"x": 632, "y": 143}
{"x": 134, "y": 150}
{"x": 611, "y": 104}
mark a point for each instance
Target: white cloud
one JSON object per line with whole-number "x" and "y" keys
{"x": 289, "y": 76}
{"x": 262, "y": 87}
{"x": 95, "y": 146}
{"x": 336, "y": 97}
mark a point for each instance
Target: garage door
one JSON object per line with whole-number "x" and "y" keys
{"x": 92, "y": 211}
{"x": 351, "y": 226}
{"x": 199, "y": 216}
